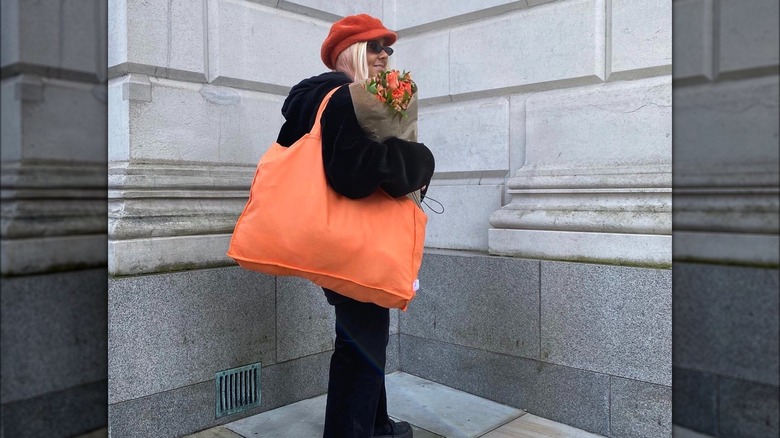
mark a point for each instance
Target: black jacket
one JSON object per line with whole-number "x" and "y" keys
{"x": 355, "y": 166}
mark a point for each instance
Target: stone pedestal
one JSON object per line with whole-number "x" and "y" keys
{"x": 596, "y": 183}
{"x": 53, "y": 136}
{"x": 726, "y": 182}
{"x": 53, "y": 175}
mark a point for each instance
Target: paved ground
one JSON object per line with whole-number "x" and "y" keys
{"x": 435, "y": 410}
{"x": 502, "y": 432}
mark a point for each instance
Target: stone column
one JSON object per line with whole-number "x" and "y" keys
{"x": 53, "y": 137}
{"x": 726, "y": 156}
{"x": 53, "y": 245}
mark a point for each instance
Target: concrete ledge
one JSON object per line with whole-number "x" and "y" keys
{"x": 134, "y": 68}
{"x": 610, "y": 248}
{"x": 597, "y": 210}
{"x": 52, "y": 216}
{"x": 49, "y": 254}
{"x": 726, "y": 248}
{"x": 138, "y": 256}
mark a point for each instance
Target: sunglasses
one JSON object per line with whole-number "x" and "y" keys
{"x": 375, "y": 47}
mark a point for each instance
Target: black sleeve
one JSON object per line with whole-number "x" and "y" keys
{"x": 356, "y": 166}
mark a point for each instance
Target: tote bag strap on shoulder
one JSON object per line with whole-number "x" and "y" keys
{"x": 315, "y": 129}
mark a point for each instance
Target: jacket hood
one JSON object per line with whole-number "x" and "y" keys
{"x": 300, "y": 107}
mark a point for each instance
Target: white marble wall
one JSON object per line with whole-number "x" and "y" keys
{"x": 725, "y": 132}
{"x": 569, "y": 131}
{"x": 195, "y": 92}
{"x": 53, "y": 136}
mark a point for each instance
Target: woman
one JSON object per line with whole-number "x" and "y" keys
{"x": 357, "y": 47}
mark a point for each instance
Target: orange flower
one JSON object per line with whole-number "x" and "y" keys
{"x": 392, "y": 80}
{"x": 393, "y": 88}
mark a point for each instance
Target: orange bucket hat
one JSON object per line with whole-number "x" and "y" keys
{"x": 350, "y": 30}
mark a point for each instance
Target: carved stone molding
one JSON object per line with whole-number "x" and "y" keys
{"x": 53, "y": 216}
{"x": 727, "y": 213}
{"x": 619, "y": 215}
{"x": 172, "y": 216}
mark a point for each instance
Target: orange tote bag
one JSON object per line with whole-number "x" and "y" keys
{"x": 294, "y": 223}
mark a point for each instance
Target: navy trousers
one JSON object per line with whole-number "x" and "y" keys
{"x": 357, "y": 401}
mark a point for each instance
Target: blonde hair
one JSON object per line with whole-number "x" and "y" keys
{"x": 353, "y": 62}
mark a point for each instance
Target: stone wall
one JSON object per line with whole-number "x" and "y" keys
{"x": 559, "y": 140}
{"x": 53, "y": 246}
{"x": 552, "y": 147}
{"x": 587, "y": 345}
{"x": 726, "y": 229}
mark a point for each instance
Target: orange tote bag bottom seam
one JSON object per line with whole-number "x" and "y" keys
{"x": 278, "y": 269}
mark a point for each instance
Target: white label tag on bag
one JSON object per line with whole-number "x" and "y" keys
{"x": 416, "y": 285}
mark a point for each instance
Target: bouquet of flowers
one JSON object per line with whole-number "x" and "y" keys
{"x": 386, "y": 106}
{"x": 393, "y": 88}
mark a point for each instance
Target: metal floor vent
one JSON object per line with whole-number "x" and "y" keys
{"x": 238, "y": 389}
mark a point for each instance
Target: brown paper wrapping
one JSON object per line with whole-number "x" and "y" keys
{"x": 381, "y": 122}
